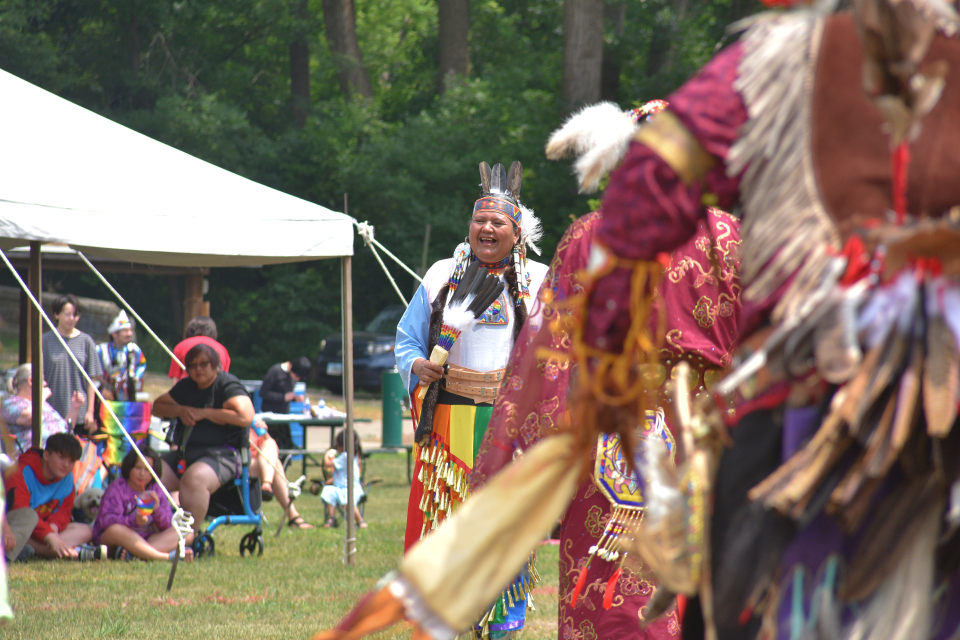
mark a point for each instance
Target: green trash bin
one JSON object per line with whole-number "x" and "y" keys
{"x": 394, "y": 401}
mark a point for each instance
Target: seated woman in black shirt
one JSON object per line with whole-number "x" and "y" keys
{"x": 219, "y": 410}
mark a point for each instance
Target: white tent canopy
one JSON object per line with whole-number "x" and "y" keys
{"x": 69, "y": 175}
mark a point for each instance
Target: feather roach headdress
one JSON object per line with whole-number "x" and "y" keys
{"x": 500, "y": 193}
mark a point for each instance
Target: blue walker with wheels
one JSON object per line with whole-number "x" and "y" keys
{"x": 238, "y": 503}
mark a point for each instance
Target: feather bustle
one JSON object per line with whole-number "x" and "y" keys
{"x": 941, "y": 378}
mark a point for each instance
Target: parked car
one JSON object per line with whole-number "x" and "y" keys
{"x": 373, "y": 353}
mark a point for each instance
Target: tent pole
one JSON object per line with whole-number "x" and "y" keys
{"x": 347, "y": 286}
{"x": 24, "y": 328}
{"x": 36, "y": 353}
{"x": 192, "y": 297}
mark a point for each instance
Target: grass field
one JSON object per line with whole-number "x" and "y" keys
{"x": 298, "y": 587}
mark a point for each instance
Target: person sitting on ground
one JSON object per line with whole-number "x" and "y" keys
{"x": 123, "y": 362}
{"x": 215, "y": 411}
{"x": 59, "y": 370}
{"x": 138, "y": 531}
{"x": 335, "y": 493}
{"x": 42, "y": 481}
{"x": 276, "y": 390}
{"x": 273, "y": 481}
{"x": 200, "y": 330}
{"x": 17, "y": 410}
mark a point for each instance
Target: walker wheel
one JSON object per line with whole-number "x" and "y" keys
{"x": 204, "y": 546}
{"x": 316, "y": 488}
{"x": 250, "y": 543}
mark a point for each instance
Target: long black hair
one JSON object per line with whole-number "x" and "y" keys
{"x": 130, "y": 461}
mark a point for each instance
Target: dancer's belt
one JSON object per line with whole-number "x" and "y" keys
{"x": 478, "y": 386}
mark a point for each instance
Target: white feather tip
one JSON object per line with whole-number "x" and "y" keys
{"x": 598, "y": 136}
{"x": 531, "y": 229}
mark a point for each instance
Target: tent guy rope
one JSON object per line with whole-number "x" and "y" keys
{"x": 384, "y": 267}
{"x": 366, "y": 231}
{"x": 182, "y": 521}
{"x": 130, "y": 309}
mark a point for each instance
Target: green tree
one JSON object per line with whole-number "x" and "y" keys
{"x": 256, "y": 87}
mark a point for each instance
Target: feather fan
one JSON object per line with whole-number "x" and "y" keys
{"x": 477, "y": 290}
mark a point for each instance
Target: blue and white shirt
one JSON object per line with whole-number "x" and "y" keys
{"x": 485, "y": 347}
{"x": 119, "y": 365}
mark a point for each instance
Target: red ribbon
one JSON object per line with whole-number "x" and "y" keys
{"x": 581, "y": 580}
{"x": 611, "y": 588}
{"x": 858, "y": 260}
{"x": 899, "y": 162}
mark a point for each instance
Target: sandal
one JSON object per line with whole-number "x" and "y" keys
{"x": 122, "y": 554}
{"x": 362, "y": 524}
{"x": 187, "y": 554}
{"x": 330, "y": 524}
{"x": 299, "y": 523}
{"x": 266, "y": 491}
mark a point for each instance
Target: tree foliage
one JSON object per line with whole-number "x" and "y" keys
{"x": 212, "y": 77}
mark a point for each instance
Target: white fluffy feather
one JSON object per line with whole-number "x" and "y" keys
{"x": 598, "y": 136}
{"x": 531, "y": 229}
{"x": 458, "y": 315}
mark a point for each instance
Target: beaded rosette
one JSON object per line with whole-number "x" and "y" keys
{"x": 625, "y": 491}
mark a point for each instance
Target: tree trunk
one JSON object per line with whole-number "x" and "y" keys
{"x": 616, "y": 17}
{"x": 663, "y": 45}
{"x": 175, "y": 304}
{"x": 133, "y": 44}
{"x": 299, "y": 64}
{"x": 454, "y": 26}
{"x": 582, "y": 51}
{"x": 342, "y": 36}
{"x": 137, "y": 96}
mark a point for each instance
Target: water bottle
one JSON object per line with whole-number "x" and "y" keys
{"x": 306, "y": 406}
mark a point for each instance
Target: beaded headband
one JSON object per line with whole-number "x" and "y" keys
{"x": 497, "y": 205}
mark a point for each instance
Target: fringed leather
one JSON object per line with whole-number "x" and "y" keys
{"x": 784, "y": 222}
{"x": 425, "y": 425}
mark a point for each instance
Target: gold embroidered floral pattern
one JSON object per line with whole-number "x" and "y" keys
{"x": 505, "y": 413}
{"x": 595, "y": 521}
{"x": 688, "y": 265}
{"x": 673, "y": 623}
{"x": 540, "y": 422}
{"x": 709, "y": 270}
{"x": 703, "y": 312}
{"x": 633, "y": 585}
{"x": 586, "y": 630}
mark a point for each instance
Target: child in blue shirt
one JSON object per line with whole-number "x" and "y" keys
{"x": 335, "y": 493}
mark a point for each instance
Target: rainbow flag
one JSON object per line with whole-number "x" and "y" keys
{"x": 135, "y": 418}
